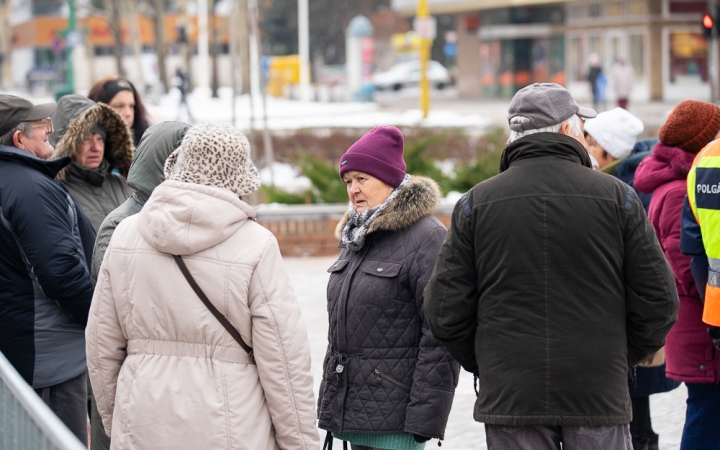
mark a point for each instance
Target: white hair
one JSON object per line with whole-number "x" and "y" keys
{"x": 575, "y": 128}
{"x": 23, "y": 127}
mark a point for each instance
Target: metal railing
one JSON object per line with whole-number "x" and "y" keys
{"x": 26, "y": 423}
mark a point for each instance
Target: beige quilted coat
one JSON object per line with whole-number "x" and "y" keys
{"x": 165, "y": 373}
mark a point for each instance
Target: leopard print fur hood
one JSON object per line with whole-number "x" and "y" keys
{"x": 214, "y": 154}
{"x": 73, "y": 119}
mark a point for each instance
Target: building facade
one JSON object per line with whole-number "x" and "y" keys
{"x": 506, "y": 45}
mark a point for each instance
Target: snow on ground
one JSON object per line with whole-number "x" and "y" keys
{"x": 286, "y": 114}
{"x": 309, "y": 279}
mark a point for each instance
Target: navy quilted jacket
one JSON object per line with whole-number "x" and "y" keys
{"x": 45, "y": 288}
{"x": 395, "y": 376}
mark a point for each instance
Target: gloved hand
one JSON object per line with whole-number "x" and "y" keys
{"x": 420, "y": 439}
{"x": 714, "y": 333}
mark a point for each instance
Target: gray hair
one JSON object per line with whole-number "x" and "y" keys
{"x": 574, "y": 123}
{"x": 23, "y": 127}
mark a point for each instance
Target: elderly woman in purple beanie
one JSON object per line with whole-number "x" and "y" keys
{"x": 387, "y": 382}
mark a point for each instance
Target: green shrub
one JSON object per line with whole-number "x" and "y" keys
{"x": 327, "y": 187}
{"x": 486, "y": 165}
{"x": 273, "y": 194}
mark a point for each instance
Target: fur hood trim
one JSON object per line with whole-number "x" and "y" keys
{"x": 417, "y": 199}
{"x": 119, "y": 147}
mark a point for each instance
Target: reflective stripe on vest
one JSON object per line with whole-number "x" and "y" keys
{"x": 703, "y": 189}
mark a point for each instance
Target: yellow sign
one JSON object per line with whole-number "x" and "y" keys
{"x": 688, "y": 45}
{"x": 406, "y": 43}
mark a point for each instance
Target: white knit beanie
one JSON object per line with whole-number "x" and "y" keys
{"x": 615, "y": 131}
{"x": 214, "y": 154}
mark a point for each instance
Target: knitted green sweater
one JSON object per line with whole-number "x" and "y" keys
{"x": 400, "y": 441}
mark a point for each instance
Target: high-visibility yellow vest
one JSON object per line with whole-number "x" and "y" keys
{"x": 703, "y": 188}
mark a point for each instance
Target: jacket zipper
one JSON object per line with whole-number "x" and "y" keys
{"x": 379, "y": 375}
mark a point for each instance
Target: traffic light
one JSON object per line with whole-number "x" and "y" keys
{"x": 708, "y": 23}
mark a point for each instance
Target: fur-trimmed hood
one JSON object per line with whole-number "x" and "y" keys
{"x": 417, "y": 199}
{"x": 73, "y": 119}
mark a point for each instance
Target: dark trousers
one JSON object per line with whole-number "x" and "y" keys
{"x": 641, "y": 425}
{"x": 622, "y": 103}
{"x": 98, "y": 439}
{"x": 702, "y": 418}
{"x": 552, "y": 437}
{"x": 68, "y": 400}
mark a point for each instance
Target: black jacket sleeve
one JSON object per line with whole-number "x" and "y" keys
{"x": 43, "y": 220}
{"x": 651, "y": 296}
{"x": 691, "y": 244}
{"x": 451, "y": 297}
{"x": 436, "y": 372}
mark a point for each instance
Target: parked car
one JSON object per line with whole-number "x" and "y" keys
{"x": 408, "y": 74}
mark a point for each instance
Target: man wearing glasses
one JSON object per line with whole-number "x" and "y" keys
{"x": 45, "y": 247}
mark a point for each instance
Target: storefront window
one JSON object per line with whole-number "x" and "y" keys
{"x": 687, "y": 7}
{"x": 596, "y": 44}
{"x": 575, "y": 59}
{"x": 636, "y": 7}
{"x": 615, "y": 9}
{"x": 688, "y": 58}
{"x": 637, "y": 54}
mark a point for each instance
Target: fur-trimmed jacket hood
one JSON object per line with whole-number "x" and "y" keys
{"x": 73, "y": 119}
{"x": 417, "y": 199}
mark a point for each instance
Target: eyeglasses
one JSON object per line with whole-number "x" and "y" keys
{"x": 44, "y": 123}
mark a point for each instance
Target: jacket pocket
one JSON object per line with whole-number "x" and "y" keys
{"x": 380, "y": 377}
{"x": 382, "y": 269}
{"x": 338, "y": 265}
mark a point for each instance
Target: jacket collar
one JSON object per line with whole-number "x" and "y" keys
{"x": 50, "y": 167}
{"x": 545, "y": 144}
{"x": 417, "y": 199}
{"x": 96, "y": 177}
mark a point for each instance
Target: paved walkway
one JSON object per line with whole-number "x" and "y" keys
{"x": 309, "y": 278}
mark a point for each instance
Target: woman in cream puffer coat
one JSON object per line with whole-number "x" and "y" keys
{"x": 165, "y": 373}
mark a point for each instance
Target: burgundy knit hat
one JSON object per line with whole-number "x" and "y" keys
{"x": 691, "y": 126}
{"x": 379, "y": 153}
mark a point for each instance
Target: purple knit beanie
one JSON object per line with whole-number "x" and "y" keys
{"x": 379, "y": 153}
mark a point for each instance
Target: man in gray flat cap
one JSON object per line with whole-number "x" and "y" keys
{"x": 551, "y": 287}
{"x": 45, "y": 248}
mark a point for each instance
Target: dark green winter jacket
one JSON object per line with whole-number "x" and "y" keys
{"x": 146, "y": 173}
{"x": 550, "y": 286}
{"x": 97, "y": 191}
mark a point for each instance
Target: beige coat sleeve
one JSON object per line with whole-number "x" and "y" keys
{"x": 282, "y": 352}
{"x": 105, "y": 346}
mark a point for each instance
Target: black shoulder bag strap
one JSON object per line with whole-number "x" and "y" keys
{"x": 218, "y": 315}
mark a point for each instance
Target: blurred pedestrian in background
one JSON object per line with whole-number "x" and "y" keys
{"x": 45, "y": 247}
{"x": 165, "y": 371}
{"x": 598, "y": 81}
{"x": 612, "y": 137}
{"x": 146, "y": 173}
{"x": 181, "y": 80}
{"x": 623, "y": 81}
{"x": 690, "y": 354}
{"x": 99, "y": 143}
{"x": 387, "y": 382}
{"x": 551, "y": 344}
{"x": 122, "y": 96}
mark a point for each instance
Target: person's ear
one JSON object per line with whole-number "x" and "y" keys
{"x": 565, "y": 129}
{"x": 16, "y": 139}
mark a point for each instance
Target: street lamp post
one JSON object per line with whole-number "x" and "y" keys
{"x": 424, "y": 26}
{"x": 304, "y": 49}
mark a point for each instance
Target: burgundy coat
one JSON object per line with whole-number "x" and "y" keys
{"x": 689, "y": 351}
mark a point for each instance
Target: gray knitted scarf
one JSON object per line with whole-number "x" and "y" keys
{"x": 358, "y": 224}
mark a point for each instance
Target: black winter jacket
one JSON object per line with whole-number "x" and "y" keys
{"x": 549, "y": 286}
{"x": 45, "y": 290}
{"x": 396, "y": 377}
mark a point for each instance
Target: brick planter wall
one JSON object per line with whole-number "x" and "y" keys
{"x": 309, "y": 230}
